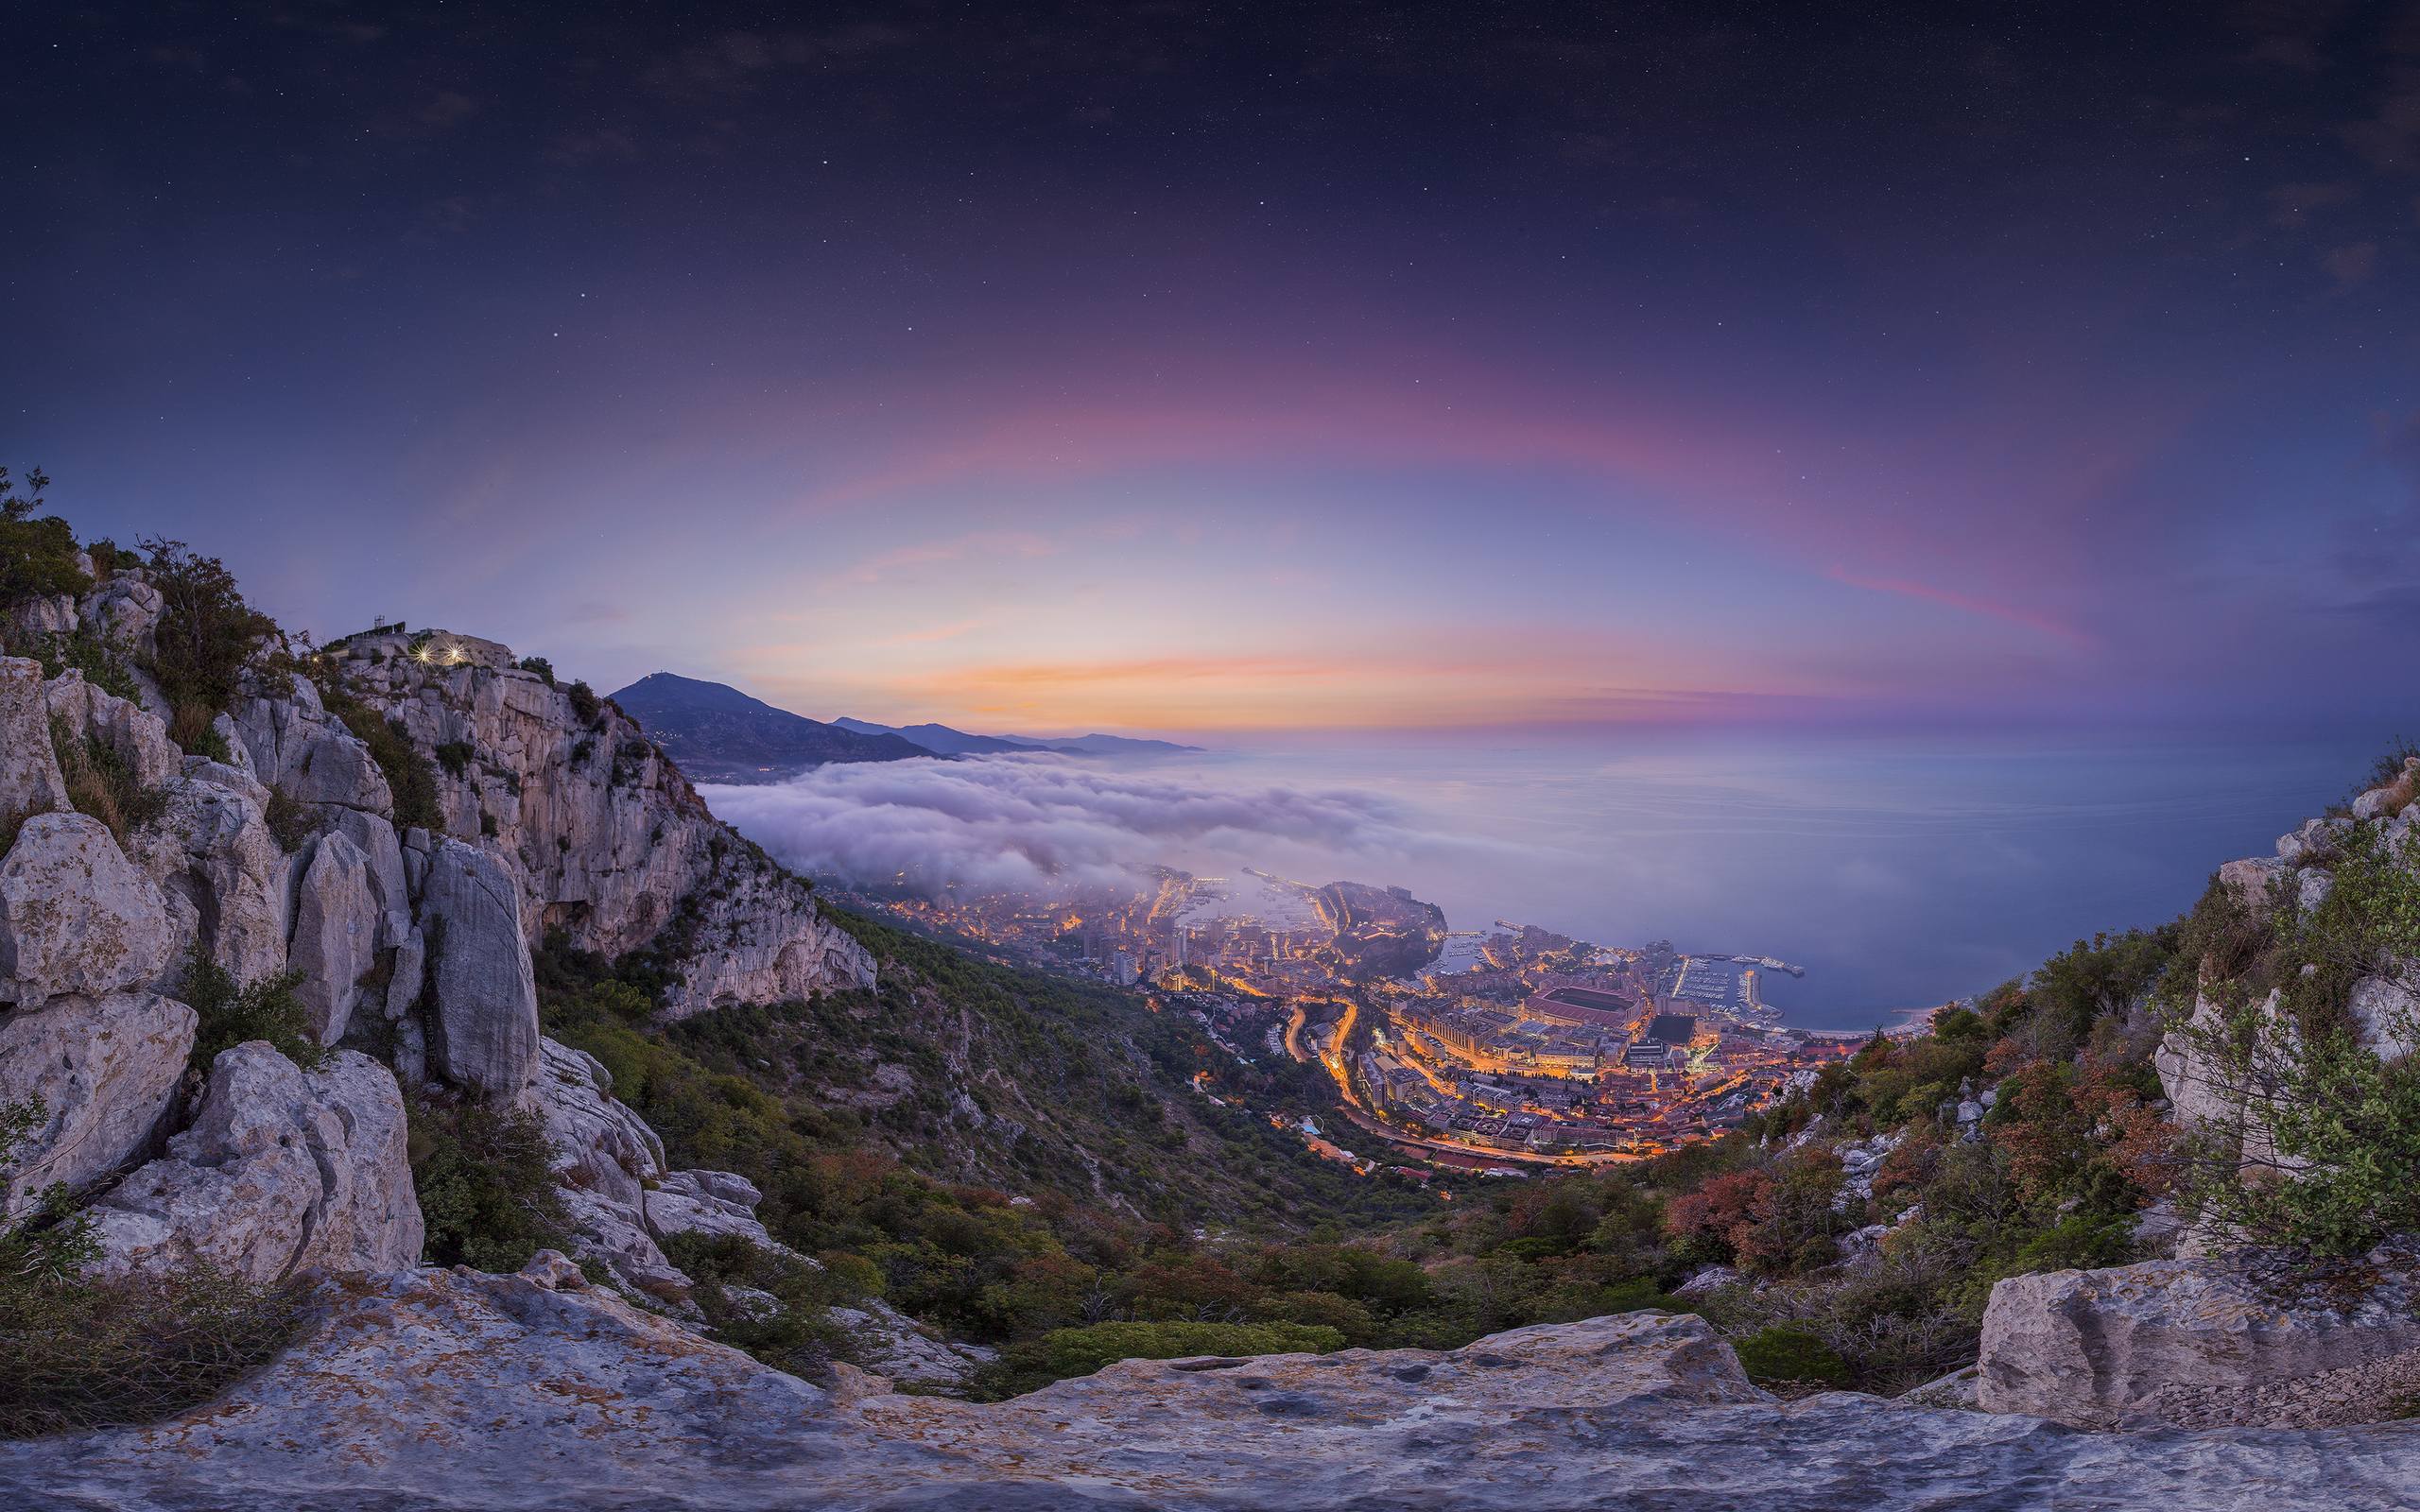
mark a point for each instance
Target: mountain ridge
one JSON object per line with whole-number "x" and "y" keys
{"x": 720, "y": 734}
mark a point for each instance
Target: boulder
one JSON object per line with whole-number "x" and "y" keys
{"x": 220, "y": 869}
{"x": 298, "y": 748}
{"x": 613, "y": 1235}
{"x": 486, "y": 998}
{"x": 125, "y": 610}
{"x": 382, "y": 852}
{"x": 335, "y": 935}
{"x": 138, "y": 737}
{"x": 903, "y": 1351}
{"x": 30, "y": 780}
{"x": 1957, "y": 1390}
{"x": 75, "y": 915}
{"x": 284, "y": 1171}
{"x": 2186, "y": 1340}
{"x": 104, "y": 1072}
{"x": 707, "y": 1202}
{"x": 2386, "y": 1015}
{"x": 2391, "y": 799}
{"x": 600, "y": 1144}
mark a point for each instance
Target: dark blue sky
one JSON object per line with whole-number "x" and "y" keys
{"x": 1213, "y": 367}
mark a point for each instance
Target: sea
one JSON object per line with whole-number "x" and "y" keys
{"x": 1900, "y": 872}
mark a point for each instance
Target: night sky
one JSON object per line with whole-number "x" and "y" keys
{"x": 1209, "y": 367}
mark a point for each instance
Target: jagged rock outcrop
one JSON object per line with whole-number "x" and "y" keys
{"x": 282, "y": 1171}
{"x": 30, "y": 780}
{"x": 301, "y": 750}
{"x": 76, "y": 916}
{"x": 485, "y": 1035}
{"x": 442, "y": 1391}
{"x": 337, "y": 919}
{"x": 2189, "y": 1340}
{"x": 219, "y": 870}
{"x": 138, "y": 737}
{"x": 103, "y": 1072}
{"x": 600, "y": 1144}
{"x": 608, "y": 841}
{"x": 707, "y": 1202}
{"x": 903, "y": 1351}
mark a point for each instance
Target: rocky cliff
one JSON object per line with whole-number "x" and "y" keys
{"x": 376, "y": 835}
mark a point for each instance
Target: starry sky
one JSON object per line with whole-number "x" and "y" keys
{"x": 1211, "y": 369}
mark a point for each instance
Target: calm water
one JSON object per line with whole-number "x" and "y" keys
{"x": 1900, "y": 874}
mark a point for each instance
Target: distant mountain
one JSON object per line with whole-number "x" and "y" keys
{"x": 938, "y": 739}
{"x": 720, "y": 734}
{"x": 1107, "y": 746}
{"x": 943, "y": 740}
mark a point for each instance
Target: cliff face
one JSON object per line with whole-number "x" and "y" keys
{"x": 607, "y": 840}
{"x": 396, "y": 882}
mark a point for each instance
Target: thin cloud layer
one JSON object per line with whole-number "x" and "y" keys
{"x": 1055, "y": 826}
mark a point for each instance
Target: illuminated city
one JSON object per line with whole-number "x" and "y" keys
{"x": 1500, "y": 1050}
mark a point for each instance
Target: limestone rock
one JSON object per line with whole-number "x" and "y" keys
{"x": 125, "y": 610}
{"x": 441, "y": 1391}
{"x": 382, "y": 853}
{"x": 105, "y": 1070}
{"x": 2162, "y": 1340}
{"x": 335, "y": 935}
{"x": 282, "y": 1171}
{"x": 2313, "y": 844}
{"x": 298, "y": 748}
{"x": 139, "y": 737}
{"x": 2386, "y": 1014}
{"x": 75, "y": 915}
{"x": 486, "y": 998}
{"x": 762, "y": 940}
{"x": 1960, "y": 1389}
{"x": 614, "y": 1235}
{"x": 2379, "y": 802}
{"x": 30, "y": 780}
{"x": 221, "y": 871}
{"x": 896, "y": 1346}
{"x": 600, "y": 1144}
{"x": 707, "y": 1202}
{"x": 609, "y": 843}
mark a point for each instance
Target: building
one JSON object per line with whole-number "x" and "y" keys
{"x": 1675, "y": 1029}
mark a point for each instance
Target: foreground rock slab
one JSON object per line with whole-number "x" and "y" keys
{"x": 437, "y": 1391}
{"x": 2196, "y": 1342}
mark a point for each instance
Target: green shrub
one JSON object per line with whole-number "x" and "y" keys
{"x": 1063, "y": 1353}
{"x": 2334, "y": 1177}
{"x": 454, "y": 756}
{"x": 80, "y": 1353}
{"x": 585, "y": 705}
{"x": 206, "y": 633}
{"x": 290, "y": 819}
{"x": 82, "y": 651}
{"x": 540, "y": 665}
{"x": 486, "y": 1184}
{"x": 232, "y": 1014}
{"x": 1786, "y": 1353}
{"x": 788, "y": 1327}
{"x": 102, "y": 784}
{"x": 410, "y": 779}
{"x": 37, "y": 555}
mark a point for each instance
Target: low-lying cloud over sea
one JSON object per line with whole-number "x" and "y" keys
{"x": 1900, "y": 872}
{"x": 1054, "y": 825}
